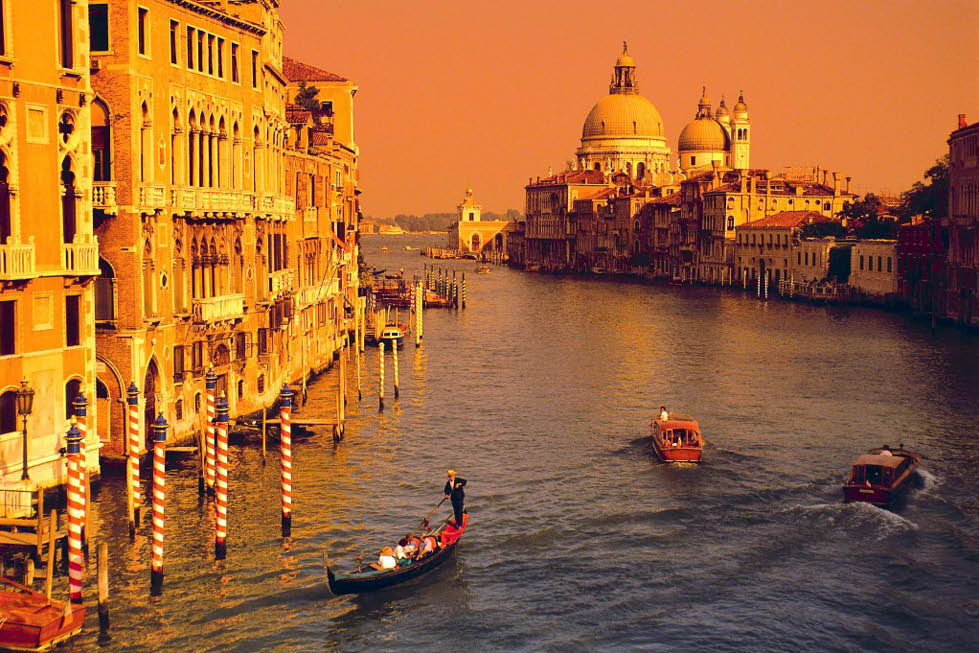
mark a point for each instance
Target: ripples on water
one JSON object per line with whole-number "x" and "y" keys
{"x": 539, "y": 393}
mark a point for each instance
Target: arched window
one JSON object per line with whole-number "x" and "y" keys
{"x": 8, "y": 412}
{"x": 72, "y": 389}
{"x": 222, "y": 158}
{"x": 174, "y": 146}
{"x": 5, "y": 228}
{"x": 191, "y": 142}
{"x": 69, "y": 223}
{"x": 105, "y": 292}
{"x": 145, "y": 144}
{"x": 640, "y": 170}
{"x": 730, "y": 222}
{"x": 101, "y": 143}
{"x": 148, "y": 286}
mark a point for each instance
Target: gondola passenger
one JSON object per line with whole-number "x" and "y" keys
{"x": 385, "y": 560}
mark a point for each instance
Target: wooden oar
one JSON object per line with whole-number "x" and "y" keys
{"x": 425, "y": 519}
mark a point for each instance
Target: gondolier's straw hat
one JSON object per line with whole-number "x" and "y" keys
{"x": 451, "y": 472}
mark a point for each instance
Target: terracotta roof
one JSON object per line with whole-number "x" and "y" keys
{"x": 596, "y": 194}
{"x": 297, "y": 116}
{"x": 673, "y": 199}
{"x": 786, "y": 219}
{"x": 297, "y": 71}
{"x": 321, "y": 138}
{"x": 574, "y": 177}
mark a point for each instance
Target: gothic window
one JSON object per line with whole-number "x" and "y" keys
{"x": 68, "y": 218}
{"x": 5, "y": 229}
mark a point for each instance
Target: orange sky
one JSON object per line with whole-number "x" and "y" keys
{"x": 491, "y": 93}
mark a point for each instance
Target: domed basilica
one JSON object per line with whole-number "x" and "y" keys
{"x": 624, "y": 133}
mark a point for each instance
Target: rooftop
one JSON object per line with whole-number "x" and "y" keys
{"x": 297, "y": 71}
{"x": 785, "y": 219}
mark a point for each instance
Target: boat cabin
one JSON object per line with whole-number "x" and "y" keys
{"x": 678, "y": 430}
{"x": 877, "y": 469}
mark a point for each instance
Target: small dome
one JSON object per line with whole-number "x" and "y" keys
{"x": 703, "y": 134}
{"x": 741, "y": 109}
{"x": 620, "y": 115}
{"x": 721, "y": 110}
{"x": 625, "y": 60}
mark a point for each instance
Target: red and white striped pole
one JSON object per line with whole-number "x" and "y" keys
{"x": 76, "y": 516}
{"x": 159, "y": 502}
{"x": 80, "y": 405}
{"x": 132, "y": 399}
{"x": 221, "y": 487}
{"x": 210, "y": 384}
{"x": 380, "y": 374}
{"x": 285, "y": 427}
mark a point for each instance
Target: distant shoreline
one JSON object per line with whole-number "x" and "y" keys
{"x": 407, "y": 233}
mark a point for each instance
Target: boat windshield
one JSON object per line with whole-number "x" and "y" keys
{"x": 873, "y": 474}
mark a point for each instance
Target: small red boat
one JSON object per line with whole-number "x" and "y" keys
{"x": 30, "y": 621}
{"x": 676, "y": 439}
{"x": 881, "y": 475}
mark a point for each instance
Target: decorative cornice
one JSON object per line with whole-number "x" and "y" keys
{"x": 216, "y": 14}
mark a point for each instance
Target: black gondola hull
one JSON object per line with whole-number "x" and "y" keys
{"x": 370, "y": 581}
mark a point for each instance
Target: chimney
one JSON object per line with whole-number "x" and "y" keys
{"x": 962, "y": 122}
{"x": 848, "y": 179}
{"x": 741, "y": 180}
{"x": 836, "y": 184}
{"x": 824, "y": 177}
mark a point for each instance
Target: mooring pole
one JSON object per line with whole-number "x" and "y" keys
{"x": 210, "y": 385}
{"x": 221, "y": 486}
{"x": 76, "y": 516}
{"x": 159, "y": 503}
{"x": 285, "y": 427}
{"x": 380, "y": 372}
{"x": 132, "y": 399}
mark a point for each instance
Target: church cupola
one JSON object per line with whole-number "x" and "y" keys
{"x": 703, "y": 107}
{"x": 723, "y": 116}
{"x": 741, "y": 135}
{"x": 624, "y": 80}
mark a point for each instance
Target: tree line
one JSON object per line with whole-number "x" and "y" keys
{"x": 438, "y": 221}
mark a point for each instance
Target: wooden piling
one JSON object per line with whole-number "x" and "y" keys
{"x": 285, "y": 426}
{"x": 76, "y": 517}
{"x": 103, "y": 586}
{"x": 159, "y": 503}
{"x": 397, "y": 381}
{"x": 419, "y": 308}
{"x": 135, "y": 490}
{"x": 130, "y": 507}
{"x": 49, "y": 572}
{"x": 29, "y": 571}
{"x": 360, "y": 395}
{"x": 380, "y": 373}
{"x": 463, "y": 289}
{"x": 221, "y": 481}
{"x": 766, "y": 285}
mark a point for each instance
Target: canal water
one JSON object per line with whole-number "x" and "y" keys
{"x": 539, "y": 393}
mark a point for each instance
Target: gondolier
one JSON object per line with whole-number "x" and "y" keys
{"x": 454, "y": 490}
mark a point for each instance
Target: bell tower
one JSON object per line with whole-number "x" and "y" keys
{"x": 740, "y": 135}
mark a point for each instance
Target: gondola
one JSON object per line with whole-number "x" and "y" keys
{"x": 370, "y": 580}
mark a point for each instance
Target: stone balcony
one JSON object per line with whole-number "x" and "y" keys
{"x": 219, "y": 309}
{"x": 212, "y": 200}
{"x": 280, "y": 281}
{"x": 104, "y": 196}
{"x": 80, "y": 259}
{"x": 311, "y": 295}
{"x": 17, "y": 261}
{"x": 151, "y": 197}
{"x": 278, "y": 204}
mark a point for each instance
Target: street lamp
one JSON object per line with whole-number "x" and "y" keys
{"x": 25, "y": 404}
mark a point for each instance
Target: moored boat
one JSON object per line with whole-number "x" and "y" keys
{"x": 394, "y": 334}
{"x": 30, "y": 621}
{"x": 374, "y": 579}
{"x": 676, "y": 439}
{"x": 881, "y": 475}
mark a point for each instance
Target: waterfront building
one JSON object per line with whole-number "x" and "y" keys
{"x": 811, "y": 260}
{"x": 873, "y": 269}
{"x": 921, "y": 248}
{"x": 48, "y": 250}
{"x": 551, "y": 232}
{"x": 206, "y": 260}
{"x": 470, "y": 234}
{"x": 962, "y": 223}
{"x": 763, "y": 247}
{"x": 516, "y": 244}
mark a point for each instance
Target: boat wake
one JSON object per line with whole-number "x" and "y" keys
{"x": 928, "y": 481}
{"x": 852, "y": 517}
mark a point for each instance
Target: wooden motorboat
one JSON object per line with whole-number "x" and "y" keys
{"x": 881, "y": 475}
{"x": 369, "y": 580}
{"x": 30, "y": 621}
{"x": 483, "y": 269}
{"x": 676, "y": 439}
{"x": 393, "y": 335}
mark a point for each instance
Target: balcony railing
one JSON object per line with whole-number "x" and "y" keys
{"x": 280, "y": 281}
{"x": 16, "y": 261}
{"x": 151, "y": 197}
{"x": 220, "y": 308}
{"x": 104, "y": 196}
{"x": 80, "y": 259}
{"x": 211, "y": 199}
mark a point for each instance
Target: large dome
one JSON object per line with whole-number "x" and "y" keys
{"x": 622, "y": 115}
{"x": 703, "y": 134}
